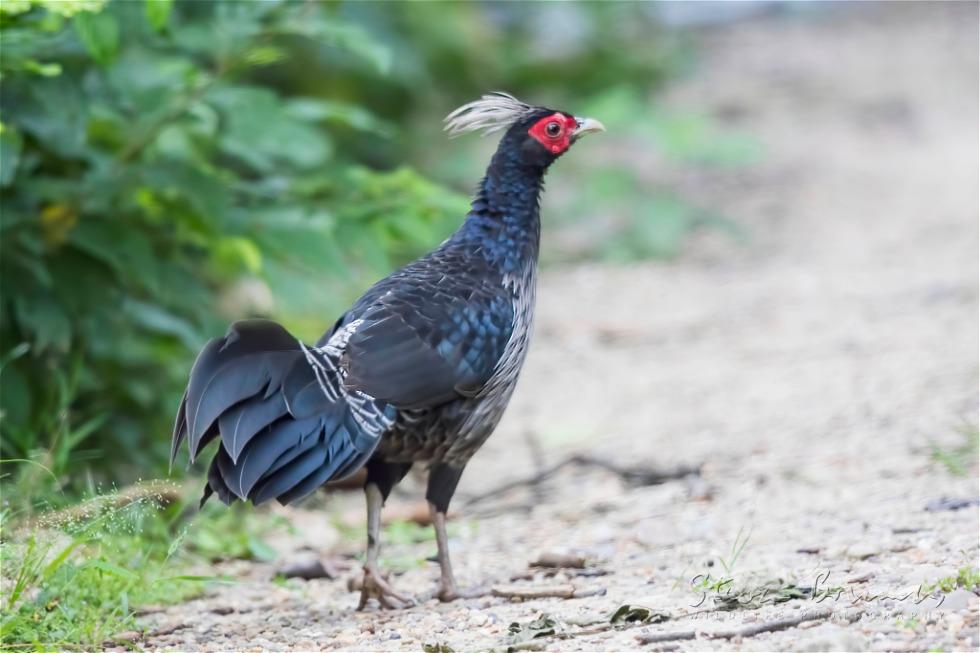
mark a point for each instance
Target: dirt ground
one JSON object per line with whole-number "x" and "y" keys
{"x": 809, "y": 371}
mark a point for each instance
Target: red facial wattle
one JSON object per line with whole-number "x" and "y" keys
{"x": 554, "y": 132}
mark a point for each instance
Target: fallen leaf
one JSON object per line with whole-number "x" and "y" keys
{"x": 629, "y": 614}
{"x": 543, "y": 626}
{"x": 437, "y": 648}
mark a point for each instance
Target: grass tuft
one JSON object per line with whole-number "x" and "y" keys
{"x": 72, "y": 578}
{"x": 960, "y": 458}
{"x": 967, "y": 578}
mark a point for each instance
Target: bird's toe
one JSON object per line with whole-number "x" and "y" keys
{"x": 374, "y": 586}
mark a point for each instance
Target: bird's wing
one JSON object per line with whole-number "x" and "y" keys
{"x": 422, "y": 344}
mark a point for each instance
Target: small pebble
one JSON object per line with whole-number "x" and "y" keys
{"x": 862, "y": 551}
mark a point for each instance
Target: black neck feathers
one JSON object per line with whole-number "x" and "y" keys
{"x": 503, "y": 222}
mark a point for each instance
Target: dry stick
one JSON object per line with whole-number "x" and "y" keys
{"x": 631, "y": 475}
{"x": 746, "y": 631}
{"x": 554, "y": 591}
{"x": 602, "y": 626}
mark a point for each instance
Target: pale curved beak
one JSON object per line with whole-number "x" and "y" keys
{"x": 587, "y": 126}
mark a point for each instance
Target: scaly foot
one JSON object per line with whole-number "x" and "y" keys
{"x": 374, "y": 586}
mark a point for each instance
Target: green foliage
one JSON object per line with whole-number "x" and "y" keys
{"x": 233, "y": 533}
{"x": 967, "y": 577}
{"x": 738, "y": 546}
{"x": 727, "y": 594}
{"x": 74, "y": 587}
{"x": 958, "y": 459}
{"x": 75, "y": 577}
{"x": 437, "y": 647}
{"x": 622, "y": 214}
{"x": 154, "y": 185}
{"x": 407, "y": 532}
{"x": 401, "y": 538}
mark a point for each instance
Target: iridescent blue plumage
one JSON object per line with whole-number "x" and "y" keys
{"x": 419, "y": 370}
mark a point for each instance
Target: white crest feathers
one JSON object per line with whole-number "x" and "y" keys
{"x": 491, "y": 113}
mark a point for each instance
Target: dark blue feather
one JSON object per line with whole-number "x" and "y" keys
{"x": 263, "y": 451}
{"x": 337, "y": 457}
{"x": 240, "y": 424}
{"x": 291, "y": 474}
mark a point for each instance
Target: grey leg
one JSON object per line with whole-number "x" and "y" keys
{"x": 447, "y": 582}
{"x": 374, "y": 503}
{"x": 374, "y": 585}
{"x": 448, "y": 590}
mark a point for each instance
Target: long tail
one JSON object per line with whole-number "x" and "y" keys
{"x": 286, "y": 423}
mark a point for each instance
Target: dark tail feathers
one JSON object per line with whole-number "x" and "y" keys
{"x": 281, "y": 436}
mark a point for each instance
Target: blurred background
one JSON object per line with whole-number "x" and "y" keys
{"x": 169, "y": 167}
{"x": 763, "y": 273}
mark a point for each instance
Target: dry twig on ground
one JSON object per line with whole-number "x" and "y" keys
{"x": 635, "y": 476}
{"x": 547, "y": 591}
{"x": 745, "y": 631}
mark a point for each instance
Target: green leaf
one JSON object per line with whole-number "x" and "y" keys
{"x": 263, "y": 135}
{"x": 42, "y": 69}
{"x": 350, "y": 38}
{"x": 158, "y": 13}
{"x": 15, "y": 397}
{"x": 264, "y": 55}
{"x": 159, "y": 320}
{"x": 14, "y": 7}
{"x": 630, "y": 613}
{"x": 297, "y": 236}
{"x": 126, "y": 250}
{"x": 259, "y": 550}
{"x": 111, "y": 569}
{"x": 61, "y": 557}
{"x": 234, "y": 254}
{"x": 79, "y": 433}
{"x": 350, "y": 115}
{"x": 544, "y": 626}
{"x": 69, "y": 8}
{"x": 45, "y": 319}
{"x": 195, "y": 579}
{"x": 99, "y": 33}
{"x": 11, "y": 143}
{"x": 15, "y": 352}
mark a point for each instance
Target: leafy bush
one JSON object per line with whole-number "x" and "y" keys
{"x": 153, "y": 183}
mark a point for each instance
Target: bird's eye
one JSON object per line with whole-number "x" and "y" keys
{"x": 553, "y": 129}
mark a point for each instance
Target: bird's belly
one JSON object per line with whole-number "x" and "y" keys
{"x": 450, "y": 433}
{"x": 453, "y": 432}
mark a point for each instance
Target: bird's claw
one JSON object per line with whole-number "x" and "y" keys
{"x": 374, "y": 586}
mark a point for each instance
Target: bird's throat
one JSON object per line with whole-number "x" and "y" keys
{"x": 504, "y": 221}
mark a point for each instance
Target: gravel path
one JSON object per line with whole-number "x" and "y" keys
{"x": 809, "y": 371}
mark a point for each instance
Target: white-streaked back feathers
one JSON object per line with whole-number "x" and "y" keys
{"x": 491, "y": 113}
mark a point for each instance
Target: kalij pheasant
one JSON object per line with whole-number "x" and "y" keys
{"x": 419, "y": 370}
